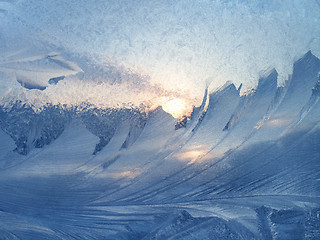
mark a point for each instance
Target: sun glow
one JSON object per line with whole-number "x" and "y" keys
{"x": 176, "y": 107}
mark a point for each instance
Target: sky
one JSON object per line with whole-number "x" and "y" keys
{"x": 161, "y": 49}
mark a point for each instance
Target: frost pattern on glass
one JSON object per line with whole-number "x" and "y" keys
{"x": 159, "y": 119}
{"x": 239, "y": 167}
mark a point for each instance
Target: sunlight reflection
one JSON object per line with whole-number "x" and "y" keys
{"x": 127, "y": 174}
{"x": 276, "y": 122}
{"x": 193, "y": 153}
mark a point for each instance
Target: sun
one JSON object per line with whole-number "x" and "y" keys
{"x": 176, "y": 107}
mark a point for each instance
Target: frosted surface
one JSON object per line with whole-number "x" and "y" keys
{"x": 178, "y": 46}
{"x": 242, "y": 167}
{"x": 87, "y": 151}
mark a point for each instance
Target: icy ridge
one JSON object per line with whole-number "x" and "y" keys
{"x": 34, "y": 128}
{"x": 37, "y": 128}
